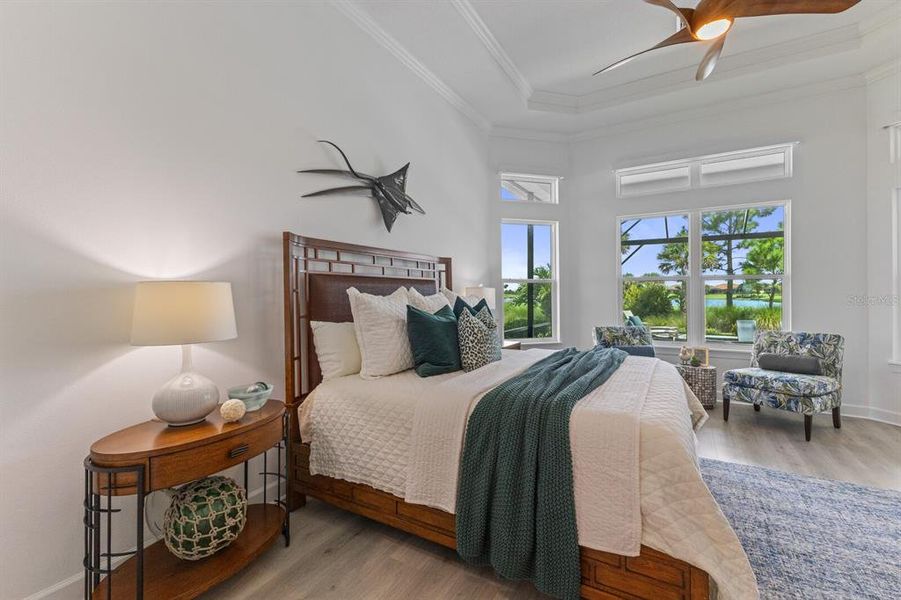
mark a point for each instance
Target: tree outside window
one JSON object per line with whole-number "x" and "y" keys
{"x": 529, "y": 279}
{"x": 742, "y": 267}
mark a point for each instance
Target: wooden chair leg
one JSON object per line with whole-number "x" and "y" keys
{"x": 756, "y": 408}
{"x": 725, "y": 408}
{"x": 837, "y": 417}
{"x": 808, "y": 424}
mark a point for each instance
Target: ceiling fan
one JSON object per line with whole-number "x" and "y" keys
{"x": 713, "y": 19}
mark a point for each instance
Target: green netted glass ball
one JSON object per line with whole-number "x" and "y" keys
{"x": 204, "y": 517}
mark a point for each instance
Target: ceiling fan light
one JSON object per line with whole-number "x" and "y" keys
{"x": 713, "y": 29}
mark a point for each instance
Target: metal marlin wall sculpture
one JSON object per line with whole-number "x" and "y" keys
{"x": 388, "y": 190}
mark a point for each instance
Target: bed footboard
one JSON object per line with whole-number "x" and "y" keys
{"x": 652, "y": 575}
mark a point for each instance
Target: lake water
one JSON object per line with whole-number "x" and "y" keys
{"x": 743, "y": 302}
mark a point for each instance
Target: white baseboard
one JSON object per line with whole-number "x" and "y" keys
{"x": 56, "y": 587}
{"x": 873, "y": 414}
{"x": 79, "y": 577}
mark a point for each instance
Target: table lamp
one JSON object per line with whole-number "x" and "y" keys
{"x": 183, "y": 312}
{"x": 479, "y": 293}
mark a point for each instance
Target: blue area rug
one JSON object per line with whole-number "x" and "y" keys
{"x": 811, "y": 538}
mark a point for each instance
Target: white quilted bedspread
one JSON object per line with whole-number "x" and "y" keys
{"x": 366, "y": 432}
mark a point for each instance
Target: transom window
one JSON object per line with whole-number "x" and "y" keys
{"x": 714, "y": 276}
{"x": 517, "y": 187}
{"x": 726, "y": 168}
{"x": 529, "y": 276}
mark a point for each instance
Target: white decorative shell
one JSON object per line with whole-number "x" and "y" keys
{"x": 232, "y": 410}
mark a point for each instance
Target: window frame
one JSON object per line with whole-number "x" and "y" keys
{"x": 694, "y": 164}
{"x": 894, "y": 142}
{"x": 554, "y": 281}
{"x": 685, "y": 279}
{"x": 553, "y": 180}
{"x": 896, "y": 277}
{"x": 695, "y": 279}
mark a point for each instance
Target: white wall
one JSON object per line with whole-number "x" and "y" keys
{"x": 829, "y": 219}
{"x": 883, "y": 178}
{"x": 161, "y": 141}
{"x": 536, "y": 157}
{"x": 828, "y": 211}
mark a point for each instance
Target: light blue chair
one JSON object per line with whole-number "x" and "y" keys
{"x": 806, "y": 394}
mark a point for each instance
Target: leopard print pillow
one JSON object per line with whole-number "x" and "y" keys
{"x": 479, "y": 340}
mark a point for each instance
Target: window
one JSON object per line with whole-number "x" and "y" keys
{"x": 652, "y": 180}
{"x": 745, "y": 166}
{"x": 654, "y": 267}
{"x": 529, "y": 188}
{"x": 529, "y": 273}
{"x": 743, "y": 262}
{"x": 733, "y": 260}
{"x": 727, "y": 168}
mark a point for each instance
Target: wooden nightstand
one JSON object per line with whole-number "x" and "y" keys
{"x": 153, "y": 456}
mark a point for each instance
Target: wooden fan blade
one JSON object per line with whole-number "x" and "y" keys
{"x": 708, "y": 63}
{"x": 683, "y": 36}
{"x": 683, "y": 13}
{"x": 711, "y": 10}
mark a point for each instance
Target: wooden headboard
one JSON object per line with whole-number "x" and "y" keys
{"x": 318, "y": 274}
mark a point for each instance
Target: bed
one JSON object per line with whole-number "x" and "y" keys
{"x": 352, "y": 441}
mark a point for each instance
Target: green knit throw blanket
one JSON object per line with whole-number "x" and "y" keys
{"x": 515, "y": 506}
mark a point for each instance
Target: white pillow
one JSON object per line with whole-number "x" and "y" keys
{"x": 452, "y": 298}
{"x": 380, "y": 323}
{"x": 337, "y": 348}
{"x": 450, "y": 295}
{"x": 430, "y": 304}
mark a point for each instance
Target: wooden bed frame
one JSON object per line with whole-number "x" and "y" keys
{"x": 317, "y": 274}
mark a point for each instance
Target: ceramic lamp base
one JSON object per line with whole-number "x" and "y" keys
{"x": 187, "y": 398}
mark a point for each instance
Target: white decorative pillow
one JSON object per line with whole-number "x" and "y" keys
{"x": 478, "y": 338}
{"x": 336, "y": 348}
{"x": 449, "y": 294}
{"x": 430, "y": 304}
{"x": 380, "y": 323}
{"x": 452, "y": 296}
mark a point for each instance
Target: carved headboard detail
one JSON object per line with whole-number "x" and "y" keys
{"x": 317, "y": 275}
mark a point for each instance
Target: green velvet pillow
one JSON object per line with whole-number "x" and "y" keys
{"x": 433, "y": 339}
{"x": 460, "y": 305}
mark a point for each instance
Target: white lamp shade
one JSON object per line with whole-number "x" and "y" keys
{"x": 479, "y": 293}
{"x": 182, "y": 312}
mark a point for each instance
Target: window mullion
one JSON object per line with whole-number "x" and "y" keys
{"x": 695, "y": 291}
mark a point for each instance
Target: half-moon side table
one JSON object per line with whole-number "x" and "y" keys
{"x": 152, "y": 456}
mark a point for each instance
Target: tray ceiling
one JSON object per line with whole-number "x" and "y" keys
{"x": 528, "y": 65}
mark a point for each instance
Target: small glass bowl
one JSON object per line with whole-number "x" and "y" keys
{"x": 253, "y": 400}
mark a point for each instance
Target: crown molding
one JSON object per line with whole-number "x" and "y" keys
{"x": 821, "y": 44}
{"x": 744, "y": 63}
{"x": 887, "y": 69}
{"x": 387, "y": 41}
{"x": 819, "y": 88}
{"x": 532, "y": 135}
{"x": 554, "y": 102}
{"x": 497, "y": 52}
{"x": 887, "y": 18}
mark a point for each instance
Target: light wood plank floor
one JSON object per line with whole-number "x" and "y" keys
{"x": 337, "y": 555}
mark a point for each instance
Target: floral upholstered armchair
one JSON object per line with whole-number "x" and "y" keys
{"x": 632, "y": 339}
{"x": 806, "y": 393}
